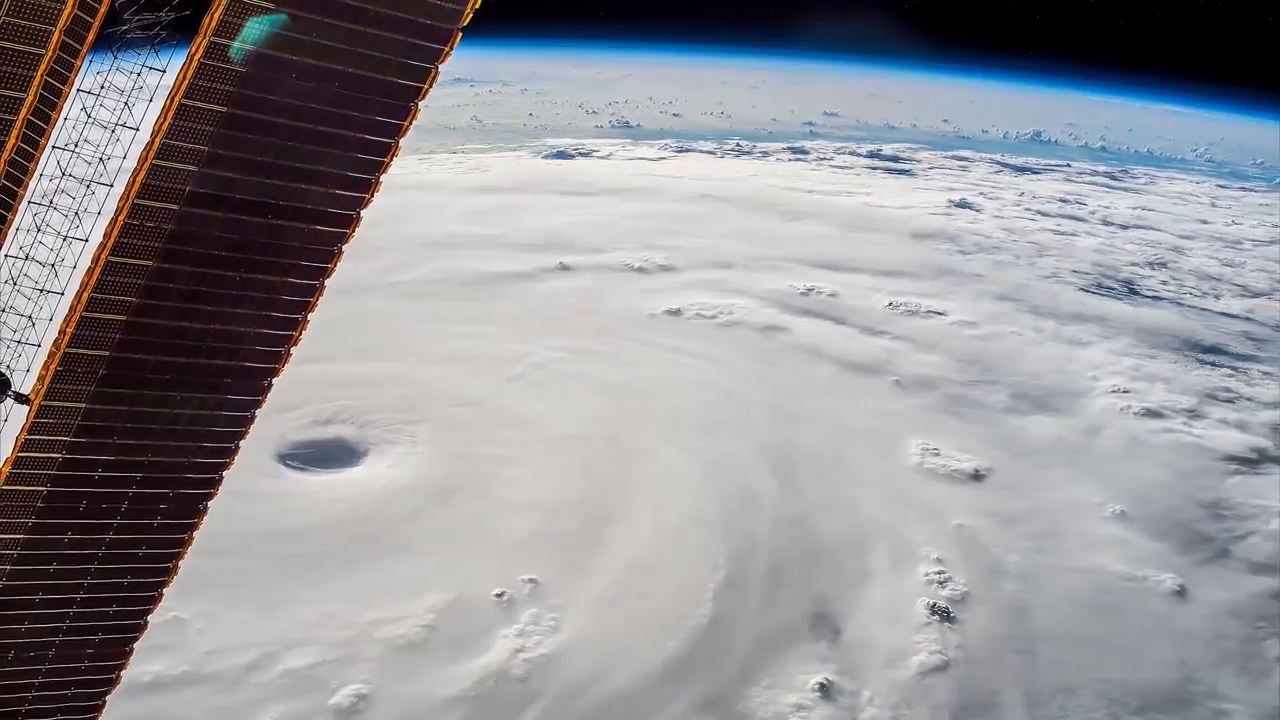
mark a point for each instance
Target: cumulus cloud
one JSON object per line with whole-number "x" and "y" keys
{"x": 665, "y": 96}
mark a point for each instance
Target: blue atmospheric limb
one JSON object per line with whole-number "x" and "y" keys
{"x": 256, "y": 31}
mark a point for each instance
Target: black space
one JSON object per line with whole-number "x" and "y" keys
{"x": 1213, "y": 48}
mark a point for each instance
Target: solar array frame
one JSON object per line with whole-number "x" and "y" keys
{"x": 253, "y": 181}
{"x": 43, "y": 43}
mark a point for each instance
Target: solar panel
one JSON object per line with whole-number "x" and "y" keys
{"x": 269, "y": 147}
{"x": 42, "y": 45}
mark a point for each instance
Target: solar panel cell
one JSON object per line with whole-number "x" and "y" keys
{"x": 93, "y": 543}
{"x": 36, "y": 685}
{"x": 25, "y": 61}
{"x": 99, "y": 512}
{"x": 36, "y": 12}
{"x": 337, "y": 50}
{"x": 174, "y": 297}
{"x": 123, "y": 468}
{"x": 21, "y": 665}
{"x": 191, "y": 277}
{"x": 24, "y": 34}
{"x": 260, "y": 226}
{"x": 184, "y": 332}
{"x": 151, "y": 433}
{"x": 211, "y": 316}
{"x": 221, "y": 258}
{"x": 140, "y": 498}
{"x": 419, "y": 22}
{"x": 287, "y": 163}
{"x": 249, "y": 89}
{"x": 394, "y": 36}
{"x": 19, "y": 705}
{"x": 277, "y": 212}
{"x": 341, "y": 78}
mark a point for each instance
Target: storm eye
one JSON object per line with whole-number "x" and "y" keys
{"x": 322, "y": 455}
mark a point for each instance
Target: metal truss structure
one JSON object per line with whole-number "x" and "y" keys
{"x": 58, "y": 220}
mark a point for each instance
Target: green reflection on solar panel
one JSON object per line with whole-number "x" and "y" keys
{"x": 256, "y": 31}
